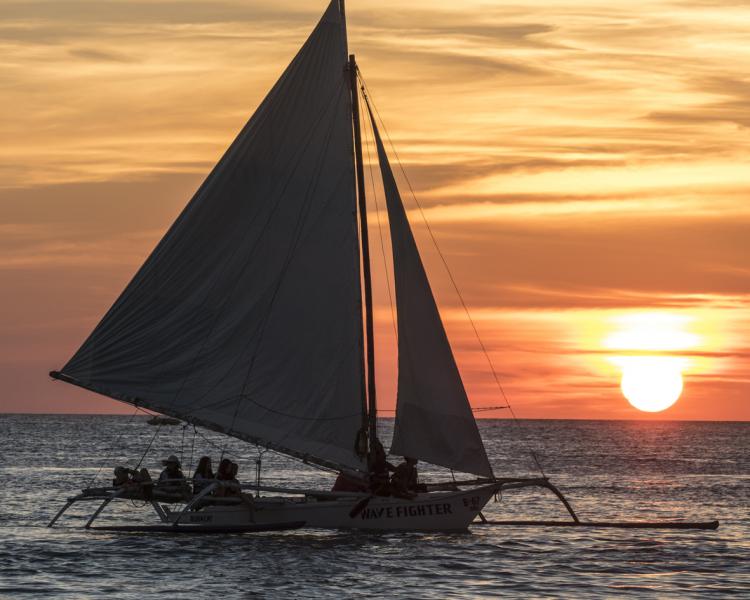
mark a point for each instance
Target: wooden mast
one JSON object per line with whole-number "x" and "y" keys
{"x": 372, "y": 403}
{"x": 342, "y": 12}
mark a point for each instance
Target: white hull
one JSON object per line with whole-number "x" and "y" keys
{"x": 433, "y": 511}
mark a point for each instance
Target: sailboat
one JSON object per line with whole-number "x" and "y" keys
{"x": 253, "y": 317}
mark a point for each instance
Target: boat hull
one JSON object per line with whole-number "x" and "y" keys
{"x": 433, "y": 511}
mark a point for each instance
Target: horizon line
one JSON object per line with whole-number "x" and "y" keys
{"x": 632, "y": 420}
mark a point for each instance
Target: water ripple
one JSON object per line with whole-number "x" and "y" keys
{"x": 609, "y": 470}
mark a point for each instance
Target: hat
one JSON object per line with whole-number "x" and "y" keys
{"x": 172, "y": 459}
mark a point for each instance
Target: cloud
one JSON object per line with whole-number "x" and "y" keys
{"x": 594, "y": 263}
{"x": 735, "y": 109}
{"x": 435, "y": 175}
{"x": 99, "y": 55}
{"x": 159, "y": 12}
{"x": 440, "y": 64}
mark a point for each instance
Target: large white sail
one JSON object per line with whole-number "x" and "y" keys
{"x": 434, "y": 421}
{"x": 246, "y": 317}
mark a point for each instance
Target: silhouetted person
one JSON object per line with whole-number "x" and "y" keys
{"x": 203, "y": 475}
{"x": 379, "y": 468}
{"x": 123, "y": 476}
{"x": 224, "y": 472}
{"x": 234, "y": 489}
{"x": 171, "y": 471}
{"x": 404, "y": 479}
{"x": 135, "y": 482}
{"x": 228, "y": 474}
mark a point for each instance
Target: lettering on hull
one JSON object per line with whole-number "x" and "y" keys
{"x": 201, "y": 518}
{"x": 473, "y": 503}
{"x": 408, "y": 510}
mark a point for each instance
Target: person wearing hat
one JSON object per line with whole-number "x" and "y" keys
{"x": 171, "y": 472}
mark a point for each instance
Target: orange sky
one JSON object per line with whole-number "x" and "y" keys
{"x": 584, "y": 168}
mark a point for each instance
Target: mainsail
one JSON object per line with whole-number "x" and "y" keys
{"x": 434, "y": 421}
{"x": 246, "y": 317}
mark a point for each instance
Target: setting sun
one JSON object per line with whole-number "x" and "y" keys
{"x": 651, "y": 377}
{"x": 651, "y": 383}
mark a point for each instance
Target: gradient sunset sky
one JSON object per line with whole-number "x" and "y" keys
{"x": 584, "y": 165}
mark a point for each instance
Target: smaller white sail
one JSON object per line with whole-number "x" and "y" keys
{"x": 434, "y": 421}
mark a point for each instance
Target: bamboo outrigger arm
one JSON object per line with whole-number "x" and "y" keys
{"x": 60, "y": 512}
{"x": 545, "y": 483}
{"x": 106, "y": 497}
{"x": 507, "y": 484}
{"x": 102, "y": 506}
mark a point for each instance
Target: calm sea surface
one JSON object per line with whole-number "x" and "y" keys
{"x": 608, "y": 470}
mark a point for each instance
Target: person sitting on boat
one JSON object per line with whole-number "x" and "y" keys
{"x": 235, "y": 489}
{"x": 228, "y": 474}
{"x": 379, "y": 468}
{"x": 145, "y": 484}
{"x": 125, "y": 476}
{"x": 172, "y": 473}
{"x": 136, "y": 482}
{"x": 225, "y": 470}
{"x": 203, "y": 475}
{"x": 405, "y": 479}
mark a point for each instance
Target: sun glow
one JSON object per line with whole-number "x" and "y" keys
{"x": 651, "y": 378}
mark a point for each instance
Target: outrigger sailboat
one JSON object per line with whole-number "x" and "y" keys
{"x": 253, "y": 317}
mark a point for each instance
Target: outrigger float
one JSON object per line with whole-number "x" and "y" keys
{"x": 253, "y": 317}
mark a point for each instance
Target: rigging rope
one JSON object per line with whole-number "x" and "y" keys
{"x": 182, "y": 444}
{"x": 258, "y": 468}
{"x": 271, "y": 450}
{"x": 192, "y": 449}
{"x": 495, "y": 376}
{"x": 108, "y": 455}
{"x": 145, "y": 452}
{"x": 217, "y": 446}
{"x": 366, "y": 129}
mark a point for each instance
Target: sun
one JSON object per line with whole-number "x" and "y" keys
{"x": 651, "y": 383}
{"x": 649, "y": 348}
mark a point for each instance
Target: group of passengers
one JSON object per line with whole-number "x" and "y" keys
{"x": 402, "y": 483}
{"x": 172, "y": 479}
{"x": 227, "y": 473}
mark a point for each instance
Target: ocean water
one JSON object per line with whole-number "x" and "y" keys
{"x": 608, "y": 470}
